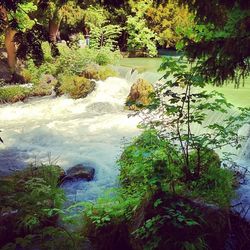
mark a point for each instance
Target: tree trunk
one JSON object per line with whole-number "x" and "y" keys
{"x": 9, "y": 41}
{"x": 53, "y": 30}
{"x": 10, "y": 48}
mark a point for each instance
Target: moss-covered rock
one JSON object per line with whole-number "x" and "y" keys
{"x": 45, "y": 86}
{"x": 75, "y": 86}
{"x": 91, "y": 72}
{"x": 106, "y": 72}
{"x": 139, "y": 95}
{"x": 96, "y": 72}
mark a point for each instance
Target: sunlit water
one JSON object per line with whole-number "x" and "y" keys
{"x": 67, "y": 132}
{"x": 91, "y": 131}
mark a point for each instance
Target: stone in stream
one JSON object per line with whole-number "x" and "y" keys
{"x": 139, "y": 95}
{"x": 79, "y": 171}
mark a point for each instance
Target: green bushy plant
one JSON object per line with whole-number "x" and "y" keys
{"x": 30, "y": 201}
{"x": 140, "y": 36}
{"x": 147, "y": 164}
{"x": 75, "y": 60}
{"x": 33, "y": 74}
{"x": 13, "y": 94}
{"x": 104, "y": 56}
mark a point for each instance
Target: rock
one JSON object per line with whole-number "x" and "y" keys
{"x": 48, "y": 79}
{"x": 75, "y": 86}
{"x": 139, "y": 95}
{"x": 80, "y": 171}
{"x": 91, "y": 72}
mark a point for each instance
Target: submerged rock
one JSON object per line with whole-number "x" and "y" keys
{"x": 139, "y": 95}
{"x": 80, "y": 171}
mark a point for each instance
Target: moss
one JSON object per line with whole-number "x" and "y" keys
{"x": 91, "y": 72}
{"x": 97, "y": 72}
{"x": 139, "y": 95}
{"x": 75, "y": 86}
{"x": 13, "y": 94}
{"x": 106, "y": 72}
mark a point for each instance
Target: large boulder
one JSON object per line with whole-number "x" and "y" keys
{"x": 80, "y": 171}
{"x": 75, "y": 86}
{"x": 139, "y": 95}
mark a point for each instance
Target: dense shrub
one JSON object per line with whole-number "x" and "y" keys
{"x": 155, "y": 207}
{"x": 74, "y": 60}
{"x": 30, "y": 200}
{"x": 32, "y": 214}
{"x": 13, "y": 94}
{"x": 151, "y": 162}
{"x": 71, "y": 62}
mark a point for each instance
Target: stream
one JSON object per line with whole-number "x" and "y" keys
{"x": 90, "y": 131}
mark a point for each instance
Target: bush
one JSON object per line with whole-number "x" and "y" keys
{"x": 104, "y": 56}
{"x": 13, "y": 94}
{"x": 74, "y": 86}
{"x": 30, "y": 200}
{"x": 152, "y": 163}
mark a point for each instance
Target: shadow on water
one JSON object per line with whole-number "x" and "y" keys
{"x": 12, "y": 159}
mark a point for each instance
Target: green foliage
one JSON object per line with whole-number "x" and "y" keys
{"x": 31, "y": 203}
{"x": 166, "y": 19}
{"x": 104, "y": 56}
{"x": 67, "y": 17}
{"x": 105, "y": 72}
{"x": 74, "y": 60}
{"x": 219, "y": 40}
{"x": 30, "y": 200}
{"x": 152, "y": 162}
{"x": 13, "y": 94}
{"x": 169, "y": 225}
{"x": 75, "y": 86}
{"x": 140, "y": 36}
{"x": 103, "y": 34}
{"x": 146, "y": 165}
{"x": 95, "y": 16}
{"x": 182, "y": 107}
{"x": 112, "y": 208}
{"x": 21, "y": 15}
{"x": 72, "y": 63}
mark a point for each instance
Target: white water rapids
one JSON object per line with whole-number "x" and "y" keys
{"x": 90, "y": 130}
{"x": 67, "y": 132}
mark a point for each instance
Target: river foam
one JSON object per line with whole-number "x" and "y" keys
{"x": 67, "y": 132}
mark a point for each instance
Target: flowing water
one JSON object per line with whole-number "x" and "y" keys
{"x": 89, "y": 131}
{"x": 67, "y": 132}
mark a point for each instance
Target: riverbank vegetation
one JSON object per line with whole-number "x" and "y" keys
{"x": 176, "y": 182}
